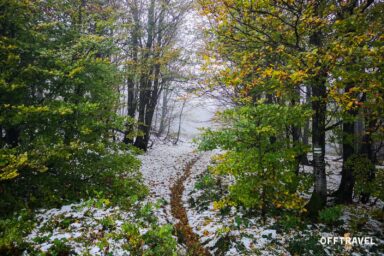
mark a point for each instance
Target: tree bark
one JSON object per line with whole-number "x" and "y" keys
{"x": 318, "y": 198}
{"x": 145, "y": 82}
{"x": 180, "y": 117}
{"x": 164, "y": 112}
{"x": 345, "y": 190}
{"x": 319, "y": 195}
{"x": 367, "y": 150}
{"x": 131, "y": 84}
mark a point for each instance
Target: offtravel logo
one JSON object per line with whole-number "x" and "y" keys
{"x": 347, "y": 240}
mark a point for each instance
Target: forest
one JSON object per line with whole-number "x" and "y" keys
{"x": 191, "y": 127}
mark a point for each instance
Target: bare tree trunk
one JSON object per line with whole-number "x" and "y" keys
{"x": 306, "y": 128}
{"x": 164, "y": 112}
{"x": 131, "y": 88}
{"x": 180, "y": 117}
{"x": 170, "y": 119}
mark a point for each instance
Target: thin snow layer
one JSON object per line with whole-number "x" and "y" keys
{"x": 211, "y": 227}
{"x": 81, "y": 226}
{"x": 262, "y": 238}
{"x": 84, "y": 226}
{"x": 161, "y": 166}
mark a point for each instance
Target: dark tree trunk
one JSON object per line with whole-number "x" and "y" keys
{"x": 318, "y": 198}
{"x": 296, "y": 132}
{"x": 367, "y": 150}
{"x": 344, "y": 194}
{"x": 142, "y": 139}
{"x": 132, "y": 94}
{"x": 306, "y": 129}
{"x": 319, "y": 195}
{"x": 146, "y": 83}
{"x": 345, "y": 191}
{"x": 131, "y": 111}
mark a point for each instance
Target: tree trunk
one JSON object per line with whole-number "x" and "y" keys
{"x": 319, "y": 195}
{"x": 146, "y": 82}
{"x": 180, "y": 117}
{"x": 367, "y": 150}
{"x": 344, "y": 194}
{"x": 164, "y": 112}
{"x": 345, "y": 191}
{"x": 306, "y": 129}
{"x": 132, "y": 94}
{"x": 318, "y": 198}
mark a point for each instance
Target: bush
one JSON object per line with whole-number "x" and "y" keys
{"x": 210, "y": 188}
{"x": 12, "y": 231}
{"x": 158, "y": 240}
{"x": 88, "y": 174}
{"x": 288, "y": 222}
{"x": 331, "y": 215}
{"x": 59, "y": 248}
{"x": 259, "y": 156}
{"x": 306, "y": 246}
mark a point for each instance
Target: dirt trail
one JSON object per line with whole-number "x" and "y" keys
{"x": 184, "y": 232}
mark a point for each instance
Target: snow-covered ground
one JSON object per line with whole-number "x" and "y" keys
{"x": 80, "y": 226}
{"x": 241, "y": 235}
{"x": 89, "y": 226}
{"x": 161, "y": 166}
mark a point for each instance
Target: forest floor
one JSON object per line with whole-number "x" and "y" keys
{"x": 180, "y": 176}
{"x": 93, "y": 227}
{"x": 184, "y": 190}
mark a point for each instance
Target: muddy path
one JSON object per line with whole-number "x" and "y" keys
{"x": 185, "y": 234}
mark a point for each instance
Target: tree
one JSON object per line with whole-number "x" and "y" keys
{"x": 264, "y": 169}
{"x": 274, "y": 49}
{"x": 57, "y": 83}
{"x": 151, "y": 49}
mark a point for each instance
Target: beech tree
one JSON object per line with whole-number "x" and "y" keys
{"x": 272, "y": 50}
{"x": 150, "y": 49}
{"x": 57, "y": 84}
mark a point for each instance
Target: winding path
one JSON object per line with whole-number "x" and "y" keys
{"x": 184, "y": 232}
{"x": 165, "y": 169}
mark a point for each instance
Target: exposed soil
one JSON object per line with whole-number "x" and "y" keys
{"x": 184, "y": 232}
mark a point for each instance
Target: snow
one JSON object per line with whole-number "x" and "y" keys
{"x": 261, "y": 237}
{"x": 161, "y": 166}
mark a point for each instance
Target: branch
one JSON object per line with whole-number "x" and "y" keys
{"x": 333, "y": 126}
{"x": 369, "y": 2}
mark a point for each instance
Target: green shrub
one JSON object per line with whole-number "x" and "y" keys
{"x": 59, "y": 247}
{"x": 107, "y": 175}
{"x": 306, "y": 246}
{"x": 12, "y": 232}
{"x": 331, "y": 215}
{"x": 108, "y": 223}
{"x": 358, "y": 222}
{"x": 205, "y": 181}
{"x": 209, "y": 185}
{"x": 289, "y": 222}
{"x": 259, "y": 156}
{"x": 363, "y": 171}
{"x": 160, "y": 241}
